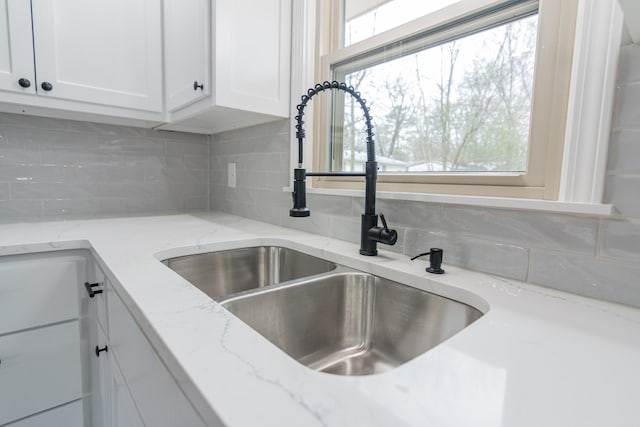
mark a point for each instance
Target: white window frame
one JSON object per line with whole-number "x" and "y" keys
{"x": 595, "y": 57}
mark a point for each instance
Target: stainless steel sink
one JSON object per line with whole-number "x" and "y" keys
{"x": 227, "y": 272}
{"x": 351, "y": 323}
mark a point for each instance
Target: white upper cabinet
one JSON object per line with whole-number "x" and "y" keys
{"x": 202, "y": 66}
{"x": 16, "y": 52}
{"x": 99, "y": 51}
{"x": 87, "y": 59}
{"x": 239, "y": 51}
{"x": 187, "y": 51}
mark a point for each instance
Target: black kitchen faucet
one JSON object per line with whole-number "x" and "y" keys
{"x": 370, "y": 232}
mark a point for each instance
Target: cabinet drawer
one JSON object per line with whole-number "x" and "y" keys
{"x": 39, "y": 369}
{"x": 36, "y": 292}
{"x": 70, "y": 415}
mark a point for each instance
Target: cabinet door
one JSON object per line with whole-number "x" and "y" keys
{"x": 99, "y": 51}
{"x": 16, "y": 46}
{"x": 187, "y": 51}
{"x": 100, "y": 378}
{"x": 253, "y": 48}
{"x": 123, "y": 410}
{"x": 156, "y": 394}
{"x": 39, "y": 369}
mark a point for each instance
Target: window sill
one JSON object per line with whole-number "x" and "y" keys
{"x": 489, "y": 202}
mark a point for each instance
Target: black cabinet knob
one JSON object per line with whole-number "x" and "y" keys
{"x": 197, "y": 86}
{"x": 46, "y": 86}
{"x": 100, "y": 350}
{"x": 89, "y": 287}
{"x": 25, "y": 83}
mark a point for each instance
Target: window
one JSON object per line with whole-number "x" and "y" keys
{"x": 470, "y": 98}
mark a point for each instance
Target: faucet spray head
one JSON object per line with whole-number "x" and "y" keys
{"x": 299, "y": 194}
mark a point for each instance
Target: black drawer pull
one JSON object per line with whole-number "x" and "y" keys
{"x": 89, "y": 287}
{"x": 100, "y": 350}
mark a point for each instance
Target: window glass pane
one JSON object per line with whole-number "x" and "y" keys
{"x": 461, "y": 106}
{"x": 366, "y": 18}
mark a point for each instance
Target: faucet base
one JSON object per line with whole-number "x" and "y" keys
{"x": 299, "y": 212}
{"x": 366, "y": 253}
{"x": 368, "y": 246}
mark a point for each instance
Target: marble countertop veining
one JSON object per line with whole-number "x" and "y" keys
{"x": 538, "y": 357}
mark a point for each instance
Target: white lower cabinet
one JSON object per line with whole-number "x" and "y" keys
{"x": 157, "y": 396}
{"x": 68, "y": 359}
{"x": 111, "y": 401}
{"x": 40, "y": 340}
{"x": 39, "y": 369}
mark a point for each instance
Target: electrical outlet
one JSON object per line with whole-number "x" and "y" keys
{"x": 231, "y": 175}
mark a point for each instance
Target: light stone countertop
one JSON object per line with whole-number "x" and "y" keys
{"x": 538, "y": 357}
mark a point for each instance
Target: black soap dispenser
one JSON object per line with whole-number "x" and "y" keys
{"x": 435, "y": 260}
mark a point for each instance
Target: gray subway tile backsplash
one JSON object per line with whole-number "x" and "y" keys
{"x": 60, "y": 168}
{"x": 623, "y": 192}
{"x": 51, "y": 190}
{"x": 332, "y": 205}
{"x": 129, "y": 144}
{"x": 344, "y": 228}
{"x": 318, "y": 222}
{"x": 71, "y": 157}
{"x": 22, "y": 120}
{"x": 590, "y": 276}
{"x": 627, "y": 110}
{"x": 151, "y": 204}
{"x": 194, "y": 148}
{"x": 102, "y": 173}
{"x": 404, "y": 213}
{"x": 20, "y": 209}
{"x": 195, "y": 162}
{"x": 530, "y": 229}
{"x": 81, "y": 207}
{"x": 624, "y": 152}
{"x": 25, "y": 173}
{"x": 628, "y": 70}
{"x": 19, "y": 156}
{"x": 5, "y": 193}
{"x": 621, "y": 239}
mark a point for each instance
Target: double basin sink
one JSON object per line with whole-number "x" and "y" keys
{"x": 326, "y": 316}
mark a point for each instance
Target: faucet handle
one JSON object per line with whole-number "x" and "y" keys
{"x": 384, "y": 223}
{"x": 384, "y": 234}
